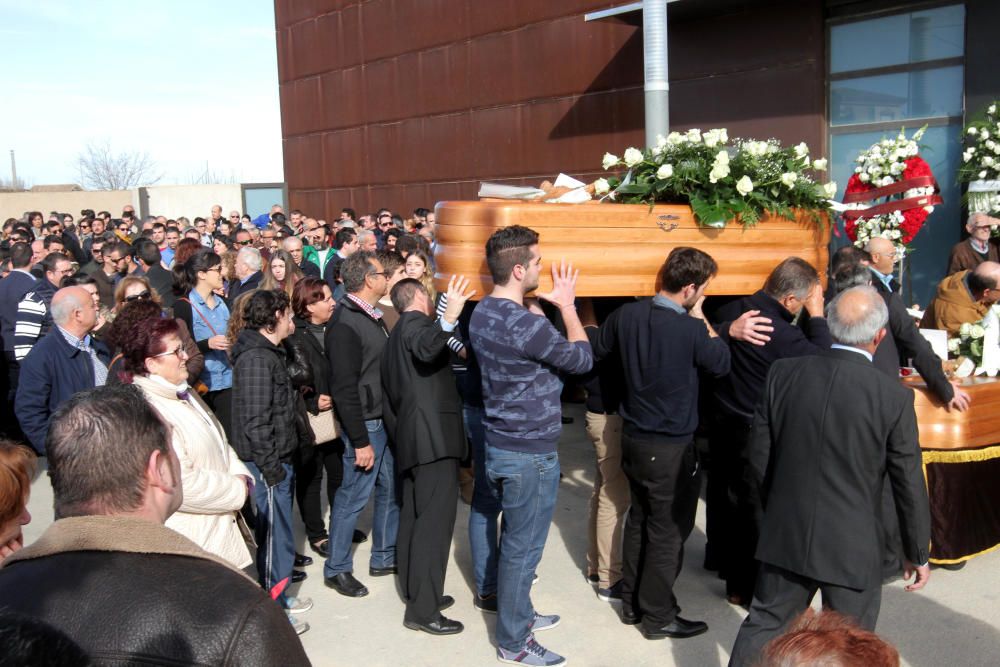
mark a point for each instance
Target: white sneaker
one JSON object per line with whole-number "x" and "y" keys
{"x": 301, "y": 627}
{"x": 295, "y": 605}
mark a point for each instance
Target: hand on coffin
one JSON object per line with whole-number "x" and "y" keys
{"x": 960, "y": 401}
{"x": 563, "y": 292}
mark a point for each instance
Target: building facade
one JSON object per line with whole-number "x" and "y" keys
{"x": 403, "y": 103}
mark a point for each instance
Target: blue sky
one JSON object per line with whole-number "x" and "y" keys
{"x": 184, "y": 80}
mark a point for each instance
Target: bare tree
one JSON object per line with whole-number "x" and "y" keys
{"x": 101, "y": 168}
{"x": 12, "y": 185}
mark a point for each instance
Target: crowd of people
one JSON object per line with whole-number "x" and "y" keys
{"x": 191, "y": 382}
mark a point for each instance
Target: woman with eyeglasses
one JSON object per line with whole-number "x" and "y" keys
{"x": 282, "y": 273}
{"x": 125, "y": 322}
{"x": 216, "y": 483}
{"x": 207, "y": 316}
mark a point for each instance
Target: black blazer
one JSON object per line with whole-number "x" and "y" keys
{"x": 420, "y": 401}
{"x": 903, "y": 341}
{"x": 235, "y": 288}
{"x": 827, "y": 429}
{"x": 162, "y": 281}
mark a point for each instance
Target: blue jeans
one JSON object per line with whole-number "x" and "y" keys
{"x": 351, "y": 499}
{"x": 485, "y": 508}
{"x": 526, "y": 486}
{"x": 274, "y": 533}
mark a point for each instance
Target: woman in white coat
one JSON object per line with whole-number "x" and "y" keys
{"x": 214, "y": 481}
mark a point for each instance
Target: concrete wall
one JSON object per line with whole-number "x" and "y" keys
{"x": 189, "y": 200}
{"x": 14, "y": 204}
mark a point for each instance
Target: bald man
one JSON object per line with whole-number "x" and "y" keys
{"x": 976, "y": 249}
{"x": 827, "y": 428}
{"x": 67, "y": 360}
{"x": 963, "y": 297}
{"x": 293, "y": 244}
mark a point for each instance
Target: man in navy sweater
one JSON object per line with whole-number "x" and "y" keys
{"x": 520, "y": 354}
{"x": 662, "y": 344}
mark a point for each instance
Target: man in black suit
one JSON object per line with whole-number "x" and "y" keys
{"x": 792, "y": 298}
{"x": 826, "y": 430}
{"x": 248, "y": 275}
{"x": 159, "y": 278}
{"x": 423, "y": 415}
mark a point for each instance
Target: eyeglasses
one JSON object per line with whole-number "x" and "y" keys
{"x": 245, "y": 242}
{"x": 84, "y": 226}
{"x": 217, "y": 269}
{"x": 115, "y": 260}
{"x": 141, "y": 296}
{"x": 180, "y": 352}
{"x": 234, "y": 217}
{"x": 384, "y": 274}
{"x": 123, "y": 228}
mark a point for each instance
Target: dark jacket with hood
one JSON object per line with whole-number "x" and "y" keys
{"x": 265, "y": 430}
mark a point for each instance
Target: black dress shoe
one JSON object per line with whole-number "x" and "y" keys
{"x": 322, "y": 547}
{"x": 445, "y": 602}
{"x": 298, "y": 575}
{"x": 629, "y": 617}
{"x": 302, "y": 560}
{"x": 358, "y": 537}
{"x": 439, "y": 626}
{"x": 382, "y": 571}
{"x": 345, "y": 584}
{"x": 679, "y": 628}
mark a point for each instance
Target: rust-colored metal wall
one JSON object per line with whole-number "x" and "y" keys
{"x": 403, "y": 103}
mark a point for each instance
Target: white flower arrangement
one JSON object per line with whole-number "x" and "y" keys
{"x": 719, "y": 179}
{"x": 980, "y": 166}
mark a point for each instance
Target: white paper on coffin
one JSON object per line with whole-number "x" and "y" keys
{"x": 991, "y": 343}
{"x": 938, "y": 338}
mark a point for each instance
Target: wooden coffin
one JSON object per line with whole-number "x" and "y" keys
{"x": 978, "y": 426}
{"x": 619, "y": 248}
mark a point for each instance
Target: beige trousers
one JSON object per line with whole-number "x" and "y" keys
{"x": 609, "y": 501}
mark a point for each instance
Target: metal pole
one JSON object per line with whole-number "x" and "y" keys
{"x": 657, "y": 84}
{"x": 13, "y": 170}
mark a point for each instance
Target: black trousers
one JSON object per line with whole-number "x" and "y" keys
{"x": 221, "y": 402}
{"x": 734, "y": 505}
{"x": 429, "y": 501}
{"x": 664, "y": 480}
{"x": 310, "y": 462}
{"x": 782, "y": 595}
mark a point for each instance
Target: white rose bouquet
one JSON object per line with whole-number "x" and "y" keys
{"x": 969, "y": 342}
{"x": 722, "y": 180}
{"x": 980, "y": 166}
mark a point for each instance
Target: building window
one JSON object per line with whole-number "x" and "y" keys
{"x": 903, "y": 70}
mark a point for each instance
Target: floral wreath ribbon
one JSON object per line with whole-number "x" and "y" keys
{"x": 851, "y": 213}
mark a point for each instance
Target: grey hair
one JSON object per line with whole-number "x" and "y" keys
{"x": 63, "y": 308}
{"x": 857, "y": 324}
{"x": 850, "y": 276}
{"x": 364, "y": 234}
{"x": 289, "y": 241}
{"x": 250, "y": 257}
{"x": 971, "y": 220}
{"x": 793, "y": 276}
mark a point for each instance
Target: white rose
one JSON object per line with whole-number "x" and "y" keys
{"x": 953, "y": 345}
{"x": 719, "y": 171}
{"x": 633, "y": 156}
{"x": 830, "y": 189}
{"x": 820, "y": 164}
{"x": 744, "y": 186}
{"x": 982, "y": 174}
{"x": 977, "y": 331}
{"x": 965, "y": 329}
{"x": 693, "y": 135}
{"x": 711, "y": 138}
{"x": 675, "y": 138}
{"x": 723, "y": 135}
{"x": 772, "y": 148}
{"x": 661, "y": 141}
{"x": 665, "y": 172}
{"x": 601, "y": 186}
{"x": 789, "y": 179}
{"x": 972, "y": 130}
{"x": 609, "y": 161}
{"x": 722, "y": 158}
{"x": 988, "y": 161}
{"x": 864, "y": 178}
{"x": 991, "y": 109}
{"x": 984, "y": 134}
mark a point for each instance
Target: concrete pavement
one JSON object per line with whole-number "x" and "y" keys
{"x": 954, "y": 622}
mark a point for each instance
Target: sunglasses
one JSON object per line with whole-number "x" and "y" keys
{"x": 141, "y": 296}
{"x": 246, "y": 242}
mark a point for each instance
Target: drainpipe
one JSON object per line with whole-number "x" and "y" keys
{"x": 657, "y": 85}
